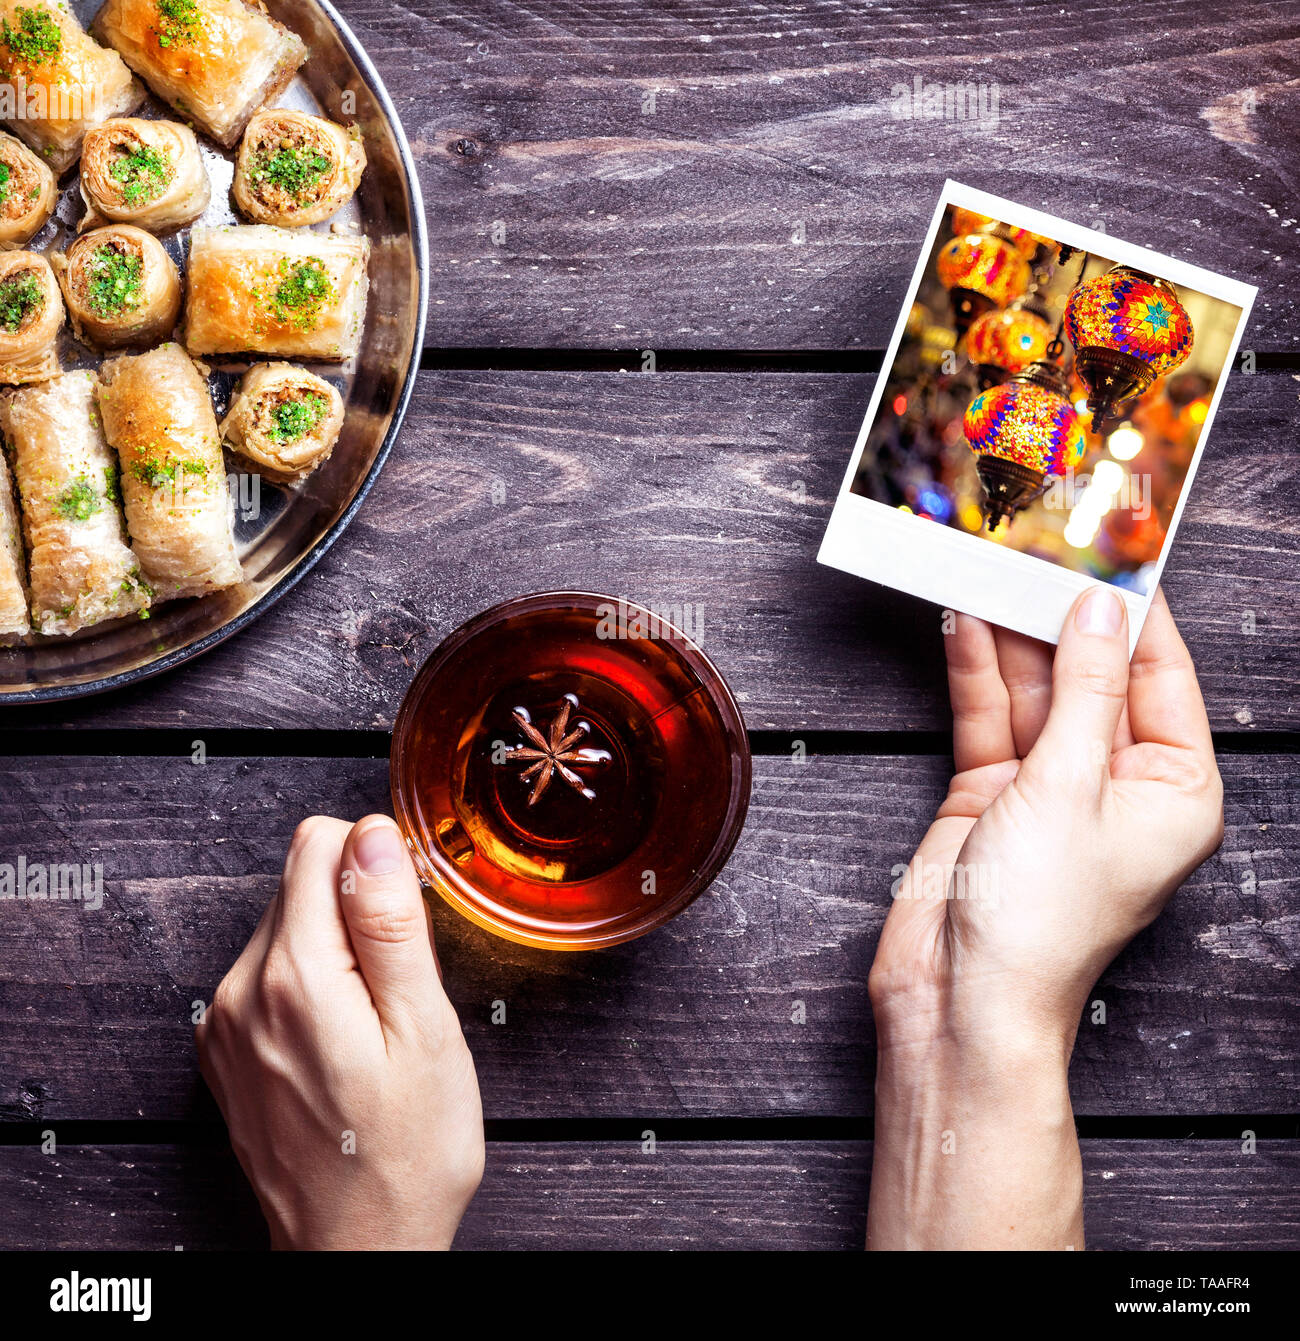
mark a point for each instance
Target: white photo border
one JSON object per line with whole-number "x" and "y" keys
{"x": 965, "y": 572}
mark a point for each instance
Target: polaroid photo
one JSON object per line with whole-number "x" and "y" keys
{"x": 1036, "y": 426}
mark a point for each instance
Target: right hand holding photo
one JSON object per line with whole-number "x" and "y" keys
{"x": 1086, "y": 791}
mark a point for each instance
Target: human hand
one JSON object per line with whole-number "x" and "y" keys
{"x": 1067, "y": 830}
{"x": 1086, "y": 791}
{"x": 336, "y": 1057}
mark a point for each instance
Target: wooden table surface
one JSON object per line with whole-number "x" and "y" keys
{"x": 625, "y": 224}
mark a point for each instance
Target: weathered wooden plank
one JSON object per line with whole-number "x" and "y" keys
{"x": 714, "y": 490}
{"x": 694, "y": 1020}
{"x": 672, "y": 176}
{"x": 687, "y": 1195}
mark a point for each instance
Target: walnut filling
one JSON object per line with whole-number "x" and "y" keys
{"x": 289, "y": 167}
{"x": 20, "y": 186}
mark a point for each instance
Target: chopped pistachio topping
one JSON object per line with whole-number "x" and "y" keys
{"x": 37, "y": 36}
{"x": 303, "y": 290}
{"x": 291, "y": 419}
{"x": 19, "y": 295}
{"x": 155, "y": 471}
{"x": 178, "y": 21}
{"x": 135, "y": 582}
{"x": 78, "y": 501}
{"x": 113, "y": 281}
{"x": 5, "y": 175}
{"x": 293, "y": 170}
{"x": 143, "y": 173}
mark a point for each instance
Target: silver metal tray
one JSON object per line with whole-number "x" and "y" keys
{"x": 283, "y": 532}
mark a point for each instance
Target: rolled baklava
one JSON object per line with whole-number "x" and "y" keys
{"x": 294, "y": 168}
{"x": 146, "y": 173}
{"x": 82, "y": 570}
{"x": 158, "y": 416}
{"x": 269, "y": 290}
{"x": 28, "y": 193}
{"x": 215, "y": 61}
{"x": 31, "y": 315}
{"x": 285, "y": 419}
{"x": 13, "y": 574}
{"x": 58, "y": 82}
{"x": 120, "y": 286}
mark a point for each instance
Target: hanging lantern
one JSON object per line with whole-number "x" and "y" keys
{"x": 937, "y": 343}
{"x": 1127, "y": 329}
{"x": 981, "y": 271}
{"x": 1006, "y": 342}
{"x": 1024, "y": 432}
{"x": 970, "y": 221}
{"x": 1025, "y": 242}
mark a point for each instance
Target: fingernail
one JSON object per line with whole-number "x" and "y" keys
{"x": 379, "y": 849}
{"x": 1100, "y": 613}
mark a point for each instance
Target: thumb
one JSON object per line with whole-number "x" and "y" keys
{"x": 379, "y": 893}
{"x": 1089, "y": 689}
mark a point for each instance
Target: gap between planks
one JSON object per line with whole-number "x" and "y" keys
{"x": 856, "y": 361}
{"x": 505, "y": 1131}
{"x": 308, "y": 743}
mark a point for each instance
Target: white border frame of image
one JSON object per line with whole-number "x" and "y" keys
{"x": 966, "y": 572}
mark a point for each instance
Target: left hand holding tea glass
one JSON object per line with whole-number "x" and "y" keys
{"x": 338, "y": 1060}
{"x": 1086, "y": 791}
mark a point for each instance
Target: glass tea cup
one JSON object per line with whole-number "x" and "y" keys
{"x": 570, "y": 770}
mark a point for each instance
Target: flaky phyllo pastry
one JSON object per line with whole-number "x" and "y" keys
{"x": 120, "y": 286}
{"x": 158, "y": 415}
{"x": 215, "y": 61}
{"x": 28, "y": 193}
{"x": 113, "y": 488}
{"x": 82, "y": 569}
{"x": 31, "y": 315}
{"x": 56, "y": 83}
{"x": 294, "y": 168}
{"x": 285, "y": 419}
{"x": 146, "y": 173}
{"x": 13, "y": 583}
{"x": 270, "y": 290}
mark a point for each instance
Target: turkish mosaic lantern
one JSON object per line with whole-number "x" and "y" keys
{"x": 1004, "y": 342}
{"x": 981, "y": 271}
{"x": 1025, "y": 242}
{"x": 1127, "y": 329}
{"x": 1023, "y": 432}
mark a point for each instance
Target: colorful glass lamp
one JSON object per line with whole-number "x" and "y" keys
{"x": 1025, "y": 242}
{"x": 981, "y": 271}
{"x": 1004, "y": 342}
{"x": 1024, "y": 432}
{"x": 1127, "y": 329}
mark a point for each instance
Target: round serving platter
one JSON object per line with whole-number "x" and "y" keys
{"x": 280, "y": 532}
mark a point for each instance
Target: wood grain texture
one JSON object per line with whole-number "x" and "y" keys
{"x": 625, "y": 223}
{"x": 687, "y": 1195}
{"x": 763, "y": 197}
{"x": 710, "y": 489}
{"x": 694, "y": 1020}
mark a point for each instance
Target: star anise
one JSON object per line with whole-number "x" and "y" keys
{"x": 547, "y": 755}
